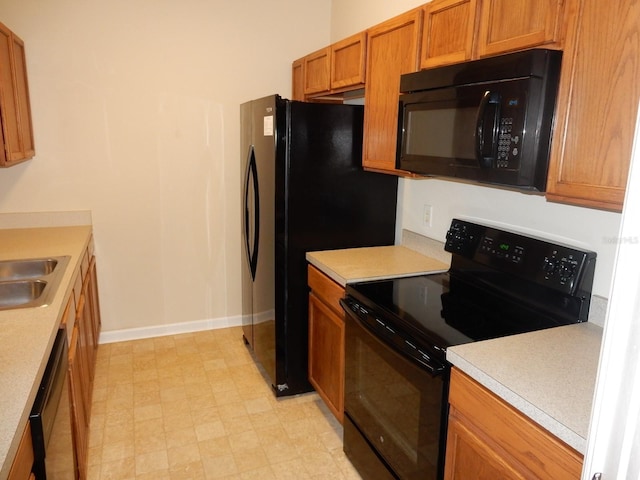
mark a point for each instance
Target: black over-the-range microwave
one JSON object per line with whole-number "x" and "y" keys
{"x": 487, "y": 120}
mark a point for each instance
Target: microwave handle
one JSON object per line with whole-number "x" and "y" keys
{"x": 488, "y": 129}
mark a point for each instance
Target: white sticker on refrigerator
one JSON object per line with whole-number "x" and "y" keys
{"x": 268, "y": 126}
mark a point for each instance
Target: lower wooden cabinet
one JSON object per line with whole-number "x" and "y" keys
{"x": 326, "y": 340}
{"x": 78, "y": 384}
{"x": 488, "y": 439}
{"x": 23, "y": 461}
{"x": 82, "y": 358}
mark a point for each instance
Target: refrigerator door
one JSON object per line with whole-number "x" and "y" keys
{"x": 248, "y": 220}
{"x": 303, "y": 190}
{"x": 264, "y": 134}
{"x": 324, "y": 201}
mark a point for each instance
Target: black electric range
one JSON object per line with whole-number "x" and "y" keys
{"x": 499, "y": 283}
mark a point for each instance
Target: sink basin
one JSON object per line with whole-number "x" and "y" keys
{"x": 31, "y": 268}
{"x": 21, "y": 293}
{"x": 30, "y": 282}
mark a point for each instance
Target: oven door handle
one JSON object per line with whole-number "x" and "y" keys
{"x": 383, "y": 334}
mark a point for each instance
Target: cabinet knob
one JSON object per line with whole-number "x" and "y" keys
{"x": 597, "y": 476}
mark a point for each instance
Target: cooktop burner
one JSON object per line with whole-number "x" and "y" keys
{"x": 500, "y": 283}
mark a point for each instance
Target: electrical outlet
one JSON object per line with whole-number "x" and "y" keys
{"x": 427, "y": 212}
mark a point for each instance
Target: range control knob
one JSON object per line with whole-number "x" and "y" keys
{"x": 549, "y": 266}
{"x": 567, "y": 269}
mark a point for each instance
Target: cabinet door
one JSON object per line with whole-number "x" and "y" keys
{"x": 23, "y": 461}
{"x": 94, "y": 303}
{"x": 347, "y": 62}
{"x": 15, "y": 110}
{"x": 595, "y": 118}
{"x": 80, "y": 424}
{"x": 489, "y": 439}
{"x": 507, "y": 25}
{"x": 9, "y": 108}
{"x": 326, "y": 355}
{"x": 470, "y": 456}
{"x": 392, "y": 49}
{"x": 317, "y": 67}
{"x": 86, "y": 348}
{"x": 326, "y": 340}
{"x": 297, "y": 80}
{"x": 448, "y": 32}
{"x": 22, "y": 94}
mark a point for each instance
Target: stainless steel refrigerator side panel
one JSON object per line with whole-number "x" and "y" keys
{"x": 246, "y": 147}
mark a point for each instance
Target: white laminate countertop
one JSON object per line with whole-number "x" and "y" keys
{"x": 549, "y": 375}
{"x": 27, "y": 334}
{"x": 373, "y": 263}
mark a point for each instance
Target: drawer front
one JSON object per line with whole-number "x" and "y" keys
{"x": 326, "y": 289}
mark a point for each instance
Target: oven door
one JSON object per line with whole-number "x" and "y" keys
{"x": 395, "y": 407}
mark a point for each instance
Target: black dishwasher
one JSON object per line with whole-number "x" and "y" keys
{"x": 51, "y": 418}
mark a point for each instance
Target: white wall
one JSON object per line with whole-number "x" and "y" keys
{"x": 136, "y": 117}
{"x": 353, "y": 16}
{"x": 593, "y": 229}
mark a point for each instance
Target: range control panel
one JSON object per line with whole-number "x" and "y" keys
{"x": 561, "y": 267}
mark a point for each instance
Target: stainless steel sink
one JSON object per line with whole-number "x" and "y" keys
{"x": 21, "y": 293}
{"x": 30, "y": 282}
{"x": 30, "y": 268}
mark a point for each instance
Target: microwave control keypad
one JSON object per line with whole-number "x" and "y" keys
{"x": 508, "y": 144}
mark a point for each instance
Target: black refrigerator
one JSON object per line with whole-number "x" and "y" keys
{"x": 303, "y": 189}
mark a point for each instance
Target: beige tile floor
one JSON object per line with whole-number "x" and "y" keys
{"x": 195, "y": 406}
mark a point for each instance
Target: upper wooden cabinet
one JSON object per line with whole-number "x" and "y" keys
{"x": 596, "y": 117}
{"x": 448, "y": 33}
{"x": 316, "y": 71}
{"x": 507, "y": 25}
{"x": 393, "y": 48}
{"x": 15, "y": 110}
{"x": 347, "y": 62}
{"x": 330, "y": 70}
{"x": 297, "y": 80}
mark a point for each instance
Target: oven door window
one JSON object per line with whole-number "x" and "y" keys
{"x": 395, "y": 404}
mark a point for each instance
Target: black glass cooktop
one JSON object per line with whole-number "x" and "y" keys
{"x": 446, "y": 310}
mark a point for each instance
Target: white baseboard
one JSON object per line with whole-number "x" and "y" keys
{"x": 170, "y": 329}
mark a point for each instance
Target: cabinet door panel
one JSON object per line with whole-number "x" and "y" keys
{"x": 326, "y": 355}
{"x": 297, "y": 80}
{"x": 507, "y": 25}
{"x": 470, "y": 457}
{"x": 23, "y": 461}
{"x": 316, "y": 71}
{"x": 22, "y": 93}
{"x": 80, "y": 424}
{"x": 15, "y": 110}
{"x": 448, "y": 34}
{"x": 392, "y": 49}
{"x": 484, "y": 428}
{"x": 8, "y": 101}
{"x": 595, "y": 120}
{"x": 347, "y": 61}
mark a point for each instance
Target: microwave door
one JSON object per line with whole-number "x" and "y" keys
{"x": 488, "y": 129}
{"x": 439, "y": 132}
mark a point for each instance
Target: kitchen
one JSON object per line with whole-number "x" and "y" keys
{"x": 123, "y": 96}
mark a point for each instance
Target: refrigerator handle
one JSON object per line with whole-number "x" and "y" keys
{"x": 251, "y": 245}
